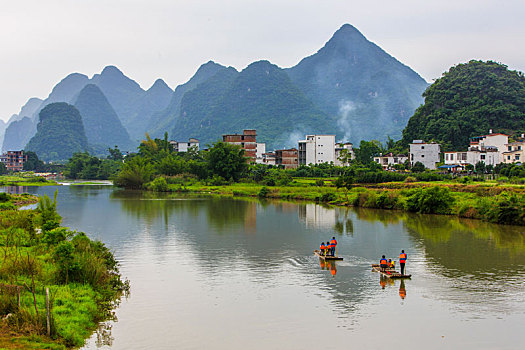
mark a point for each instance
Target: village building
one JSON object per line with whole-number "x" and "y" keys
{"x": 317, "y": 149}
{"x": 260, "y": 150}
{"x": 339, "y": 147}
{"x": 184, "y": 146}
{"x": 14, "y": 160}
{"x": 426, "y": 153}
{"x": 489, "y": 142}
{"x": 388, "y": 160}
{"x": 489, "y": 156}
{"x": 514, "y": 153}
{"x": 247, "y": 141}
{"x": 287, "y": 157}
{"x": 269, "y": 158}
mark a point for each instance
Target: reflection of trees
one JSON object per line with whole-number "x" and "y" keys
{"x": 387, "y": 217}
{"x": 343, "y": 223}
{"x": 469, "y": 246}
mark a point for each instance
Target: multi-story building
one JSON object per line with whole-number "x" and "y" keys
{"x": 514, "y": 152}
{"x": 247, "y": 141}
{"x": 389, "y": 160}
{"x": 184, "y": 146}
{"x": 287, "y": 157}
{"x": 488, "y": 155}
{"x": 317, "y": 149}
{"x": 269, "y": 158}
{"x": 14, "y": 160}
{"x": 261, "y": 149}
{"x": 426, "y": 153}
{"x": 491, "y": 141}
{"x": 339, "y": 147}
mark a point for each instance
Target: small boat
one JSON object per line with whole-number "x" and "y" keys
{"x": 329, "y": 257}
{"x": 389, "y": 272}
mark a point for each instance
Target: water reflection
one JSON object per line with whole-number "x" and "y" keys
{"x": 235, "y": 259}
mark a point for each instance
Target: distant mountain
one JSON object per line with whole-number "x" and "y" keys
{"x": 469, "y": 100}
{"x": 21, "y": 132}
{"x": 163, "y": 121}
{"x": 60, "y": 133}
{"x": 3, "y": 126}
{"x": 17, "y": 136}
{"x": 101, "y": 124}
{"x": 155, "y": 99}
{"x": 262, "y": 97}
{"x": 355, "y": 80}
{"x": 123, "y": 93}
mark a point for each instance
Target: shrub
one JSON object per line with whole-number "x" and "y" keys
{"x": 319, "y": 182}
{"x": 433, "y": 200}
{"x": 159, "y": 185}
{"x": 263, "y": 193}
{"x": 328, "y": 197}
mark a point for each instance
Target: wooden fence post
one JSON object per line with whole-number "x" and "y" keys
{"x": 18, "y": 297}
{"x": 48, "y": 313}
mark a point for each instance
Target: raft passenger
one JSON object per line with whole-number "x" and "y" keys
{"x": 333, "y": 243}
{"x": 383, "y": 263}
{"x": 402, "y": 261}
{"x": 322, "y": 248}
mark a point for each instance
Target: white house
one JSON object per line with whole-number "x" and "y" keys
{"x": 389, "y": 160}
{"x": 489, "y": 156}
{"x": 490, "y": 141}
{"x": 426, "y": 153}
{"x": 317, "y": 149}
{"x": 339, "y": 147}
{"x": 261, "y": 149}
{"x": 184, "y": 146}
{"x": 514, "y": 153}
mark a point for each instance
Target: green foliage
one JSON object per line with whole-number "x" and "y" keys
{"x": 418, "y": 167}
{"x": 60, "y": 133}
{"x": 433, "y": 200}
{"x": 3, "y": 169}
{"x": 48, "y": 212}
{"x": 227, "y": 160}
{"x": 467, "y": 101}
{"x": 263, "y": 193}
{"x": 85, "y": 166}
{"x": 135, "y": 173}
{"x": 159, "y": 184}
{"x": 33, "y": 163}
{"x": 367, "y": 151}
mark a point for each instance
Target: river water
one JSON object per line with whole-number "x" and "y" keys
{"x": 221, "y": 273}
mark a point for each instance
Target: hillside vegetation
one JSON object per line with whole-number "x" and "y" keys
{"x": 469, "y": 100}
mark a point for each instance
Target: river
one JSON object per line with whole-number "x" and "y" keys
{"x": 224, "y": 273}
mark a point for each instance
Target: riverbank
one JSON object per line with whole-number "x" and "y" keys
{"x": 25, "y": 180}
{"x": 82, "y": 276}
{"x": 493, "y": 202}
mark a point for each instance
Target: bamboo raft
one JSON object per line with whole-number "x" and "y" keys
{"x": 329, "y": 257}
{"x": 389, "y": 272}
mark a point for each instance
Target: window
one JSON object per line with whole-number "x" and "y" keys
{"x": 519, "y": 148}
{"x": 422, "y": 156}
{"x": 422, "y": 147}
{"x": 508, "y": 157}
{"x": 509, "y": 148}
{"x": 517, "y": 157}
{"x": 482, "y": 157}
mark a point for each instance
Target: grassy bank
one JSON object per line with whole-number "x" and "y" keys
{"x": 25, "y": 180}
{"x": 504, "y": 204}
{"x": 37, "y": 253}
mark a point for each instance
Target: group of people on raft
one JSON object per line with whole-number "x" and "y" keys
{"x": 385, "y": 264}
{"x": 328, "y": 249}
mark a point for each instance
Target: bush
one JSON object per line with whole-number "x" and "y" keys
{"x": 433, "y": 200}
{"x": 263, "y": 193}
{"x": 328, "y": 197}
{"x": 158, "y": 185}
{"x": 319, "y": 182}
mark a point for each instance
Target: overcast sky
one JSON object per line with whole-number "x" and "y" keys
{"x": 42, "y": 41}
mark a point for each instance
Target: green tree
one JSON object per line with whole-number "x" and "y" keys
{"x": 418, "y": 167}
{"x": 367, "y": 150}
{"x": 3, "y": 169}
{"x": 227, "y": 160}
{"x": 33, "y": 163}
{"x": 135, "y": 173}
